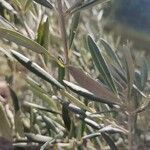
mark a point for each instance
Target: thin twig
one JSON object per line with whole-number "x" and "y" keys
{"x": 63, "y": 33}
{"x": 131, "y": 118}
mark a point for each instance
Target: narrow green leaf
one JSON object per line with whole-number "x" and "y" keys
{"x": 90, "y": 122}
{"x": 75, "y": 101}
{"x": 43, "y": 34}
{"x": 42, "y": 95}
{"x": 61, "y": 71}
{"x": 6, "y": 24}
{"x": 27, "y": 5}
{"x": 121, "y": 74}
{"x": 44, "y": 98}
{"x": 87, "y": 94}
{"x": 129, "y": 68}
{"x": 110, "y": 52}
{"x": 107, "y": 129}
{"x": 109, "y": 141}
{"x": 6, "y": 53}
{"x": 111, "y": 130}
{"x": 45, "y": 145}
{"x": 45, "y": 3}
{"x": 5, "y": 4}
{"x": 144, "y": 74}
{"x": 40, "y": 33}
{"x": 120, "y": 84}
{"x": 37, "y": 137}
{"x": 20, "y": 39}
{"x": 101, "y": 64}
{"x": 50, "y": 124}
{"x": 32, "y": 105}
{"x": 73, "y": 5}
{"x": 93, "y": 135}
{"x": 35, "y": 85}
{"x": 46, "y": 34}
{"x": 92, "y": 85}
{"x": 66, "y": 117}
{"x": 15, "y": 100}
{"x": 86, "y": 5}
{"x": 73, "y": 28}
{"x": 36, "y": 69}
{"x": 17, "y": 116}
{"x": 74, "y": 109}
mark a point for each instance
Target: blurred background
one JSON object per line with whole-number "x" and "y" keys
{"x": 130, "y": 20}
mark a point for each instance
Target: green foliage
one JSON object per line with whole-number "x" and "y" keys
{"x": 96, "y": 99}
